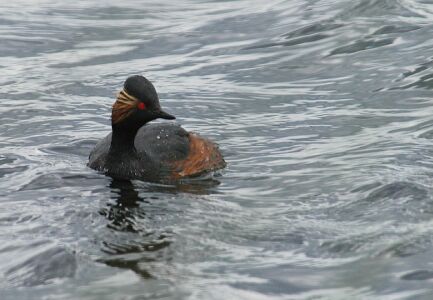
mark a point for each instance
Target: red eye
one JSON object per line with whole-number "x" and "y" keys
{"x": 141, "y": 106}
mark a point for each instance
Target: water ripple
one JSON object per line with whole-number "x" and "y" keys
{"x": 321, "y": 108}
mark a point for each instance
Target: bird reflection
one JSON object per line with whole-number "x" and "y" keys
{"x": 125, "y": 192}
{"x": 126, "y": 206}
{"x": 126, "y": 214}
{"x": 136, "y": 239}
{"x": 122, "y": 211}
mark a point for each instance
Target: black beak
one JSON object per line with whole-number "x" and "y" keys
{"x": 163, "y": 115}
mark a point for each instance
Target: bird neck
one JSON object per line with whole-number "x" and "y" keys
{"x": 122, "y": 139}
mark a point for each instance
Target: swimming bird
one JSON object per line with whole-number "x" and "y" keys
{"x": 162, "y": 152}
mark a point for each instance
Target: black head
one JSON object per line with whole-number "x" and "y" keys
{"x": 137, "y": 103}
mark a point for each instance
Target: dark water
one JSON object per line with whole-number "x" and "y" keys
{"x": 323, "y": 110}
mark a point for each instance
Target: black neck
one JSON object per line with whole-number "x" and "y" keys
{"x": 122, "y": 140}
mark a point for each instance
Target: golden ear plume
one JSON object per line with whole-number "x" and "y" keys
{"x": 123, "y": 107}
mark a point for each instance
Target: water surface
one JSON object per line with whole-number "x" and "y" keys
{"x": 323, "y": 110}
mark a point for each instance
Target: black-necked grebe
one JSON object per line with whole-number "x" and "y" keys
{"x": 154, "y": 152}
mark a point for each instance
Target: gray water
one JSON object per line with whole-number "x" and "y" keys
{"x": 323, "y": 110}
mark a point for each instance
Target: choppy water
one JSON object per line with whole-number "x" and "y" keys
{"x": 323, "y": 109}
